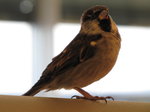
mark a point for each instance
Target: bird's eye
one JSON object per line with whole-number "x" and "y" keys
{"x": 97, "y": 13}
{"x": 90, "y": 15}
{"x": 93, "y": 15}
{"x": 90, "y": 12}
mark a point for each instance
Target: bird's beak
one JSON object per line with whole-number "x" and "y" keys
{"x": 104, "y": 15}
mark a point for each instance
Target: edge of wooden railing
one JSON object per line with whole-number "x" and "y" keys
{"x": 43, "y": 104}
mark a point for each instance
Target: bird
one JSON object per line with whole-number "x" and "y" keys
{"x": 87, "y": 58}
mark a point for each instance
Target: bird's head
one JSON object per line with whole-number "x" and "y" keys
{"x": 96, "y": 20}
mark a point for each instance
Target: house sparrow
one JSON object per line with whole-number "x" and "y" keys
{"x": 88, "y": 57}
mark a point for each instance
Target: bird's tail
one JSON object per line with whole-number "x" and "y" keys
{"x": 34, "y": 90}
{"x": 31, "y": 92}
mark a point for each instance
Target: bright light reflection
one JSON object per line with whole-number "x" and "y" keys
{"x": 15, "y": 57}
{"x": 131, "y": 72}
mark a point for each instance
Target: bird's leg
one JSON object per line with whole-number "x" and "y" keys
{"x": 87, "y": 96}
{"x": 84, "y": 93}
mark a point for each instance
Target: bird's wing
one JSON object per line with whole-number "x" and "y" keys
{"x": 78, "y": 51}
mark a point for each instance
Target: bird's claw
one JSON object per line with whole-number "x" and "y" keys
{"x": 93, "y": 98}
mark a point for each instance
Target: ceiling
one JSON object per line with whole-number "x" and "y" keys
{"x": 17, "y": 10}
{"x": 128, "y": 12}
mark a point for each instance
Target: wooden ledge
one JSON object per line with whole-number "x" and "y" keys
{"x": 40, "y": 104}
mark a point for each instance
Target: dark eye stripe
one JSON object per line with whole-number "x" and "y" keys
{"x": 90, "y": 15}
{"x": 90, "y": 12}
{"x": 97, "y": 13}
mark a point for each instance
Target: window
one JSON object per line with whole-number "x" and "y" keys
{"x": 130, "y": 75}
{"x": 15, "y": 57}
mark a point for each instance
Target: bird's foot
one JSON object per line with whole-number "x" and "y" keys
{"x": 88, "y": 96}
{"x": 93, "y": 98}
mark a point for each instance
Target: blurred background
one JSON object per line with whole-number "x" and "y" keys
{"x": 34, "y": 31}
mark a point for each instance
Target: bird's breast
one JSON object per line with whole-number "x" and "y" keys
{"x": 104, "y": 59}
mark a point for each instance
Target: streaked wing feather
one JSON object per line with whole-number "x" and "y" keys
{"x": 78, "y": 51}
